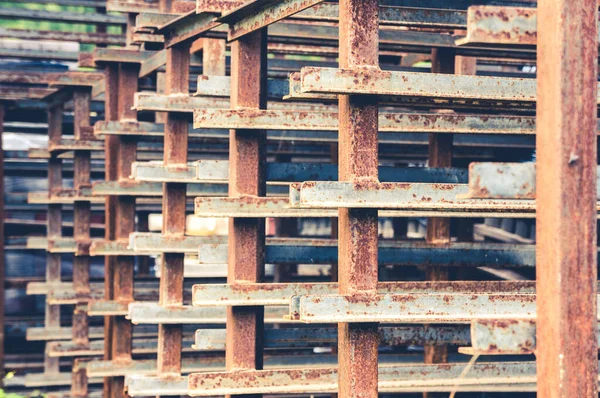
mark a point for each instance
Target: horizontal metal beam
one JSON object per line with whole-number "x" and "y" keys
{"x": 286, "y": 338}
{"x": 388, "y": 122}
{"x": 370, "y": 193}
{"x": 272, "y": 294}
{"x": 495, "y": 25}
{"x": 145, "y": 129}
{"x": 413, "y": 84}
{"x": 155, "y": 314}
{"x": 75, "y": 145}
{"x": 146, "y": 188}
{"x": 503, "y": 181}
{"x": 62, "y": 16}
{"x": 187, "y": 27}
{"x": 502, "y": 337}
{"x": 175, "y": 103}
{"x": 284, "y": 173}
{"x": 53, "y": 379}
{"x": 79, "y": 37}
{"x": 123, "y": 55}
{"x": 413, "y": 308}
{"x": 258, "y": 14}
{"x": 59, "y": 349}
{"x": 484, "y": 376}
{"x": 151, "y": 243}
{"x": 145, "y": 386}
{"x": 64, "y": 196}
{"x": 323, "y": 251}
{"x": 260, "y": 207}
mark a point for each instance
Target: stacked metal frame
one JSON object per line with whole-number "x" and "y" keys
{"x": 354, "y": 311}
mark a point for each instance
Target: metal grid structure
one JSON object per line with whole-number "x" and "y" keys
{"x": 274, "y": 114}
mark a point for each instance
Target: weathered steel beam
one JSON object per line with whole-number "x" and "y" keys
{"x": 156, "y": 314}
{"x": 413, "y": 84}
{"x": 323, "y": 251}
{"x": 214, "y": 339}
{"x": 63, "y": 16}
{"x": 440, "y": 154}
{"x": 484, "y": 376}
{"x": 173, "y": 205}
{"x": 413, "y": 308}
{"x": 283, "y": 173}
{"x": 374, "y": 194}
{"x": 187, "y": 28}
{"x": 81, "y": 230}
{"x": 496, "y": 25}
{"x": 274, "y": 294}
{"x": 175, "y": 102}
{"x": 358, "y": 228}
{"x": 258, "y": 14}
{"x": 400, "y": 202}
{"x": 567, "y": 52}
{"x": 388, "y": 122}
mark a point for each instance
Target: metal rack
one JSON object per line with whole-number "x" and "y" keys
{"x": 271, "y": 113}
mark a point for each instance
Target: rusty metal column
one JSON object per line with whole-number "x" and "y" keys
{"x": 54, "y": 228}
{"x": 438, "y": 228}
{"x": 358, "y": 234}
{"x": 247, "y": 169}
{"x": 81, "y": 231}
{"x": 121, "y": 343}
{"x": 173, "y": 207}
{"x": 111, "y": 95}
{"x": 567, "y": 62}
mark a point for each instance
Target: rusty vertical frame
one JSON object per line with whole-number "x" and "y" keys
{"x": 213, "y": 57}
{"x": 121, "y": 83}
{"x": 173, "y": 207}
{"x": 438, "y": 228}
{"x": 81, "y": 231}
{"x": 358, "y": 228}
{"x": 567, "y": 61}
{"x": 111, "y": 95}
{"x": 54, "y": 227}
{"x": 247, "y": 169}
{"x": 121, "y": 344}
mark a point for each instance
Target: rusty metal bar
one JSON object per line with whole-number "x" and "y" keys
{"x": 247, "y": 160}
{"x": 438, "y": 229}
{"x": 358, "y": 235}
{"x": 566, "y": 150}
{"x": 495, "y": 25}
{"x": 175, "y": 153}
{"x": 258, "y": 14}
{"x": 81, "y": 231}
{"x": 54, "y": 229}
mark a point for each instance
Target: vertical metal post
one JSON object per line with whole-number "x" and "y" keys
{"x": 247, "y": 169}
{"x": 358, "y": 228}
{"x": 82, "y": 210}
{"x": 111, "y": 95}
{"x": 173, "y": 207}
{"x": 122, "y": 82}
{"x": 54, "y": 228}
{"x": 111, "y": 98}
{"x": 438, "y": 228}
{"x": 567, "y": 61}
{"x": 213, "y": 57}
{"x": 125, "y": 221}
{"x": 81, "y": 231}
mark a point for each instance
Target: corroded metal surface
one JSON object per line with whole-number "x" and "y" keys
{"x": 331, "y": 126}
{"x": 566, "y": 191}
